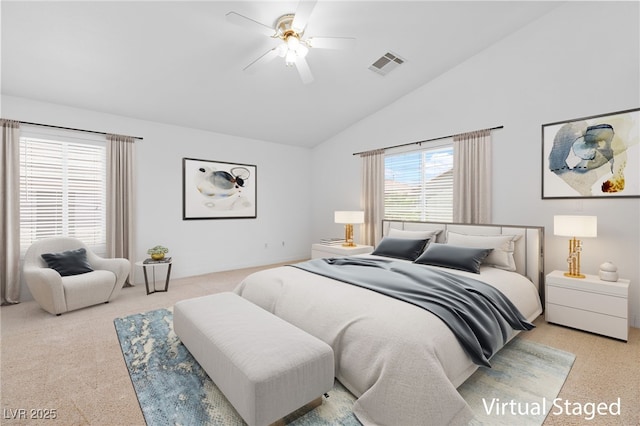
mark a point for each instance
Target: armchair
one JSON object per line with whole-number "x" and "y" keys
{"x": 58, "y": 294}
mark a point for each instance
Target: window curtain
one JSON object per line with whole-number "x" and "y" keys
{"x": 10, "y": 212}
{"x": 120, "y": 197}
{"x": 472, "y": 177}
{"x": 372, "y": 200}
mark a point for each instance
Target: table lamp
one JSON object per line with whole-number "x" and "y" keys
{"x": 575, "y": 226}
{"x": 349, "y": 218}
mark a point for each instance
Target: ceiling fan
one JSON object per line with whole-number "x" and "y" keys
{"x": 293, "y": 47}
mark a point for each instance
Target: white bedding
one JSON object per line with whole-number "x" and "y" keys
{"x": 400, "y": 361}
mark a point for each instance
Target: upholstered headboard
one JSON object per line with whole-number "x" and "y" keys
{"x": 529, "y": 248}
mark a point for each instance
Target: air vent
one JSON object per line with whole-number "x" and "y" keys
{"x": 386, "y": 63}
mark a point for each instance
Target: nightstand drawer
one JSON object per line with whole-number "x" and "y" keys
{"x": 594, "y": 302}
{"x": 588, "y": 321}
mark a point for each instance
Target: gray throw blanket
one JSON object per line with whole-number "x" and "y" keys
{"x": 479, "y": 315}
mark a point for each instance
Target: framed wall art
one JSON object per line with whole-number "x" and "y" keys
{"x": 592, "y": 157}
{"x": 218, "y": 190}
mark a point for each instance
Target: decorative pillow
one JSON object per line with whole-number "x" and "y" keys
{"x": 453, "y": 257}
{"x": 70, "y": 262}
{"x": 503, "y": 247}
{"x": 400, "y": 248}
{"x": 416, "y": 235}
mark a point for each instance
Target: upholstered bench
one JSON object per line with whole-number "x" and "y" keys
{"x": 266, "y": 367}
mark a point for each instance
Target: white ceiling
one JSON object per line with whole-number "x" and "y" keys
{"x": 181, "y": 62}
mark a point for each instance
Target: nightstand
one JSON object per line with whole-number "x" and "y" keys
{"x": 588, "y": 304}
{"x": 324, "y": 250}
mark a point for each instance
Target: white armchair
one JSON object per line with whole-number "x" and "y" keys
{"x": 57, "y": 294}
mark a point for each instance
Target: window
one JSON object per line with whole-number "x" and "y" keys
{"x": 62, "y": 189}
{"x": 419, "y": 185}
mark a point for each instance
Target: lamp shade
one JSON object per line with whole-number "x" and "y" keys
{"x": 575, "y": 226}
{"x": 349, "y": 216}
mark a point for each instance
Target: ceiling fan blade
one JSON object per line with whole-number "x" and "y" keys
{"x": 266, "y": 57}
{"x": 243, "y": 21}
{"x": 331, "y": 42}
{"x": 303, "y": 69}
{"x": 303, "y": 12}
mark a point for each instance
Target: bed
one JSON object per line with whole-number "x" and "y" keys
{"x": 403, "y": 363}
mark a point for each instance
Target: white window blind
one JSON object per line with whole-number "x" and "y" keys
{"x": 419, "y": 185}
{"x": 62, "y": 190}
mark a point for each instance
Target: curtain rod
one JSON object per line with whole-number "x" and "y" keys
{"x": 420, "y": 142}
{"x": 71, "y": 128}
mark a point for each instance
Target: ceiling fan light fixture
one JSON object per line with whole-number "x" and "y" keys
{"x": 291, "y": 49}
{"x": 282, "y": 50}
{"x": 290, "y": 58}
{"x": 290, "y": 29}
{"x": 293, "y": 42}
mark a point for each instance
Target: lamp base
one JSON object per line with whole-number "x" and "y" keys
{"x": 578, "y": 275}
{"x": 575, "y": 247}
{"x": 348, "y": 236}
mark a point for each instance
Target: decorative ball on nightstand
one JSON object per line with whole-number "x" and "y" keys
{"x": 608, "y": 272}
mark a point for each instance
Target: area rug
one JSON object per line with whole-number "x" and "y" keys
{"x": 173, "y": 389}
{"x": 520, "y": 387}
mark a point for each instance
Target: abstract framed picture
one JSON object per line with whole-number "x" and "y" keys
{"x": 218, "y": 190}
{"x": 592, "y": 157}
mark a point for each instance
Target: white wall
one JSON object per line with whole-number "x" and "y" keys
{"x": 200, "y": 246}
{"x": 581, "y": 59}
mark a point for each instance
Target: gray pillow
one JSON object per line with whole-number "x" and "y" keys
{"x": 503, "y": 247}
{"x": 454, "y": 257}
{"x": 400, "y": 248}
{"x": 70, "y": 262}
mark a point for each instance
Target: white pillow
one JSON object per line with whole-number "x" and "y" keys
{"x": 414, "y": 235}
{"x": 503, "y": 247}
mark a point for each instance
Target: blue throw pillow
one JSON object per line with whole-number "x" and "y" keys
{"x": 70, "y": 262}
{"x": 400, "y": 248}
{"x": 454, "y": 257}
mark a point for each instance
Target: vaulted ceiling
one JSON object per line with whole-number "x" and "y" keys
{"x": 181, "y": 62}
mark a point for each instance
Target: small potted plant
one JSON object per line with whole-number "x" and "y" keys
{"x": 157, "y": 252}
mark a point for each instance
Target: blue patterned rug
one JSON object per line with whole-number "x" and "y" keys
{"x": 173, "y": 389}
{"x": 525, "y": 375}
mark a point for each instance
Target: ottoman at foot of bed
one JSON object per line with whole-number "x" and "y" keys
{"x": 266, "y": 367}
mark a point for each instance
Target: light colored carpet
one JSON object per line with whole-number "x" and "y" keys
{"x": 73, "y": 363}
